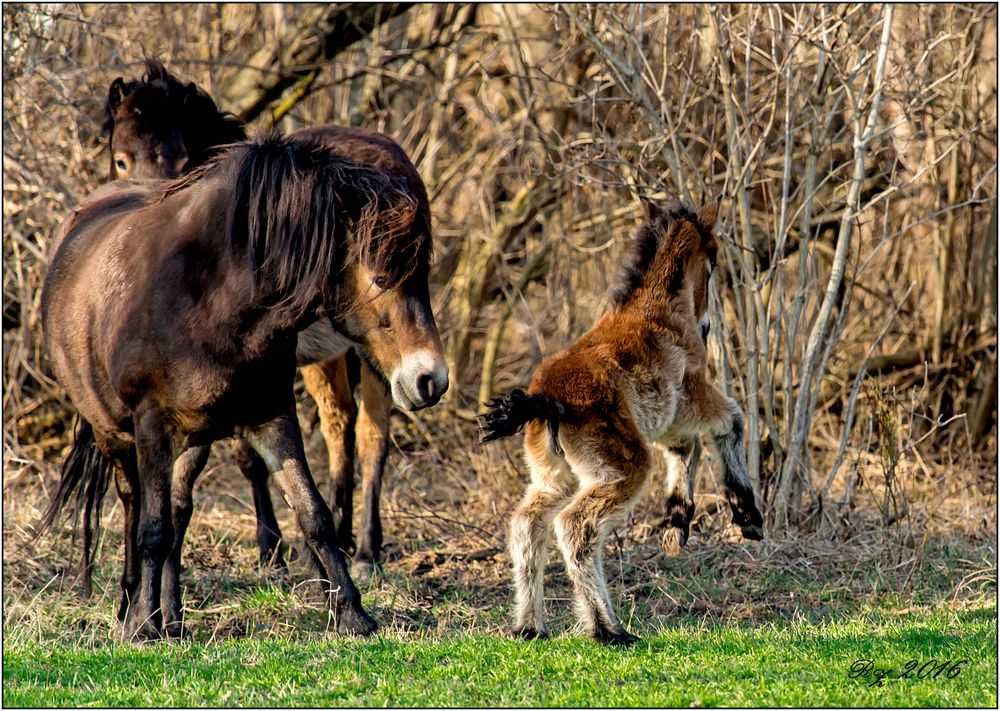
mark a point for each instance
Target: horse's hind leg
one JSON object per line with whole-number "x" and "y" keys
{"x": 279, "y": 442}
{"x": 530, "y": 526}
{"x": 268, "y": 533}
{"x": 616, "y": 469}
{"x": 329, "y": 386}
{"x": 127, "y": 484}
{"x": 373, "y": 448}
{"x": 186, "y": 469}
{"x": 155, "y": 529}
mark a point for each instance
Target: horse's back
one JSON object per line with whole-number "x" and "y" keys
{"x": 363, "y": 145}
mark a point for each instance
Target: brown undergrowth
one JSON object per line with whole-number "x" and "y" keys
{"x": 445, "y": 510}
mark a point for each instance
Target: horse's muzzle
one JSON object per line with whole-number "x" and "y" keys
{"x": 419, "y": 381}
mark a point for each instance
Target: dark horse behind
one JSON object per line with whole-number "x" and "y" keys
{"x": 159, "y": 127}
{"x": 171, "y": 313}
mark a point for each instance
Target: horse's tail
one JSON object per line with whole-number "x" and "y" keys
{"x": 509, "y": 413}
{"x": 83, "y": 481}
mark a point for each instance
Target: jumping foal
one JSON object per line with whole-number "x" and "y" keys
{"x": 636, "y": 380}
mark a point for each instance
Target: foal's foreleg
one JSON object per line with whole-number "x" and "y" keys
{"x": 722, "y": 417}
{"x": 186, "y": 469}
{"x": 682, "y": 468}
{"x": 279, "y": 442}
{"x": 373, "y": 449}
{"x": 530, "y": 529}
{"x": 328, "y": 384}
{"x": 268, "y": 533}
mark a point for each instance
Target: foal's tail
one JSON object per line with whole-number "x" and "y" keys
{"x": 509, "y": 413}
{"x": 84, "y": 481}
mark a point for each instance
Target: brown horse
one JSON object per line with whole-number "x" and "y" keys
{"x": 189, "y": 115}
{"x": 171, "y": 314}
{"x": 636, "y": 379}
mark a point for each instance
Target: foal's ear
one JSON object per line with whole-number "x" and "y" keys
{"x": 117, "y": 93}
{"x": 652, "y": 209}
{"x": 707, "y": 215}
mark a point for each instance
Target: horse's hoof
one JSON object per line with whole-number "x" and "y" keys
{"x": 365, "y": 570}
{"x": 351, "y": 621}
{"x": 528, "y": 633}
{"x": 177, "y": 631}
{"x": 143, "y": 634}
{"x": 616, "y": 639}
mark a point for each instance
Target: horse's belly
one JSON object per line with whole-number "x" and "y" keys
{"x": 320, "y": 342}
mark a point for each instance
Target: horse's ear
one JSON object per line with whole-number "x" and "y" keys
{"x": 117, "y": 93}
{"x": 708, "y": 214}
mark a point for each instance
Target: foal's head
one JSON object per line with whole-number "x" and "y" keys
{"x": 673, "y": 251}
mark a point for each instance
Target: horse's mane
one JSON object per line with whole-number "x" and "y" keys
{"x": 661, "y": 241}
{"x": 300, "y": 212}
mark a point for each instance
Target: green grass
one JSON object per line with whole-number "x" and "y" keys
{"x": 795, "y": 662}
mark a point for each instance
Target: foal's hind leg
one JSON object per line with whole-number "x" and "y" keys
{"x": 615, "y": 465}
{"x": 328, "y": 384}
{"x": 268, "y": 533}
{"x": 373, "y": 448}
{"x": 186, "y": 469}
{"x": 551, "y": 486}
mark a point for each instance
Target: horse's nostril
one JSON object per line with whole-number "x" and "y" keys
{"x": 425, "y": 386}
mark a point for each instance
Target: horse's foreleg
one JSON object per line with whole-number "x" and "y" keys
{"x": 373, "y": 448}
{"x": 530, "y": 528}
{"x": 268, "y": 533}
{"x": 329, "y": 386}
{"x": 186, "y": 469}
{"x": 279, "y": 442}
{"x": 155, "y": 533}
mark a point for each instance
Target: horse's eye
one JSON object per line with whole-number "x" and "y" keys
{"x": 382, "y": 282}
{"x": 122, "y": 164}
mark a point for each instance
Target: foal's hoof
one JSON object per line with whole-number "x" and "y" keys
{"x": 351, "y": 621}
{"x": 750, "y": 521}
{"x": 752, "y": 532}
{"x": 615, "y": 639}
{"x": 528, "y": 633}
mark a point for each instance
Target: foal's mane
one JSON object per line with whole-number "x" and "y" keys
{"x": 662, "y": 242}
{"x": 300, "y": 212}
